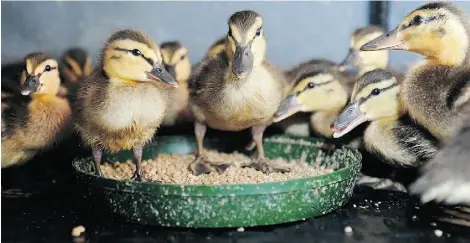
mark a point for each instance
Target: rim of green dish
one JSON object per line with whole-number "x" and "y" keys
{"x": 202, "y": 190}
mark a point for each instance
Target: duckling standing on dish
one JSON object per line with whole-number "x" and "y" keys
{"x": 38, "y": 119}
{"x": 123, "y": 102}
{"x": 390, "y": 133}
{"x": 237, "y": 89}
{"x": 176, "y": 60}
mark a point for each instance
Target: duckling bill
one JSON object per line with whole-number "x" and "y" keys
{"x": 122, "y": 103}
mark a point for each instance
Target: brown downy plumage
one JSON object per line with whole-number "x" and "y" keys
{"x": 440, "y": 32}
{"x": 176, "y": 60}
{"x": 390, "y": 133}
{"x": 436, "y": 93}
{"x": 237, "y": 89}
{"x": 38, "y": 119}
{"x": 76, "y": 64}
{"x": 122, "y": 103}
{"x": 217, "y": 47}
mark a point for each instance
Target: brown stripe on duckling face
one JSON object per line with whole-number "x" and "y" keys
{"x": 40, "y": 75}
{"x": 246, "y": 45}
{"x": 357, "y": 62}
{"x": 374, "y": 97}
{"x": 438, "y": 31}
{"x": 176, "y": 60}
{"x": 130, "y": 56}
{"x": 317, "y": 91}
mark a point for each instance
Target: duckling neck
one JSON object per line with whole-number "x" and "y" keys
{"x": 453, "y": 51}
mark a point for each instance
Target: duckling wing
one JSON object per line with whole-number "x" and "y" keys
{"x": 459, "y": 93}
{"x": 446, "y": 177}
{"x": 14, "y": 113}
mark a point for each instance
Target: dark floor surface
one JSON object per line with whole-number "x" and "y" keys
{"x": 41, "y": 203}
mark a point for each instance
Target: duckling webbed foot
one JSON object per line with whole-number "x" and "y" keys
{"x": 97, "y": 153}
{"x": 202, "y": 166}
{"x": 137, "y": 176}
{"x": 264, "y": 166}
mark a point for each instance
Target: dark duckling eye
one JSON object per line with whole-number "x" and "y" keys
{"x": 229, "y": 32}
{"x": 182, "y": 57}
{"x": 310, "y": 85}
{"x": 47, "y": 68}
{"x": 136, "y": 52}
{"x": 258, "y": 31}
{"x": 375, "y": 92}
{"x": 417, "y": 20}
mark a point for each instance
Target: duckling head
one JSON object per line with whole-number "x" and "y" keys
{"x": 176, "y": 61}
{"x": 320, "y": 90}
{"x": 438, "y": 31}
{"x": 246, "y": 45}
{"x": 375, "y": 96}
{"x": 131, "y": 56}
{"x": 41, "y": 74}
{"x": 357, "y": 62}
{"x": 217, "y": 47}
{"x": 76, "y": 64}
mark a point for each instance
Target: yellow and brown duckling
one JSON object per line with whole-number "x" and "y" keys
{"x": 217, "y": 47}
{"x": 76, "y": 64}
{"x": 356, "y": 62}
{"x": 237, "y": 89}
{"x": 38, "y": 119}
{"x": 390, "y": 133}
{"x": 433, "y": 91}
{"x": 320, "y": 88}
{"x": 122, "y": 103}
{"x": 176, "y": 60}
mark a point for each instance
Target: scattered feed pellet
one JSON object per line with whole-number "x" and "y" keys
{"x": 77, "y": 231}
{"x": 241, "y": 229}
{"x": 348, "y": 230}
{"x": 438, "y": 233}
{"x": 173, "y": 169}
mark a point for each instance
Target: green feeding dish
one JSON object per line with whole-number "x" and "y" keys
{"x": 234, "y": 205}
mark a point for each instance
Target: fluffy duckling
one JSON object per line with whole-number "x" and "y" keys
{"x": 217, "y": 47}
{"x": 357, "y": 63}
{"x": 76, "y": 64}
{"x": 122, "y": 103}
{"x": 390, "y": 133}
{"x": 237, "y": 89}
{"x": 320, "y": 89}
{"x": 176, "y": 61}
{"x": 434, "y": 90}
{"x": 40, "y": 118}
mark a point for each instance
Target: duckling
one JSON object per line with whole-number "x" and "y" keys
{"x": 357, "y": 63}
{"x": 390, "y": 133}
{"x": 320, "y": 89}
{"x": 434, "y": 90}
{"x": 237, "y": 89}
{"x": 176, "y": 61}
{"x": 446, "y": 178}
{"x": 123, "y": 101}
{"x": 217, "y": 47}
{"x": 76, "y": 64}
{"x": 40, "y": 118}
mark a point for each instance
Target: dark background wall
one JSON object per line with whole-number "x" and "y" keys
{"x": 295, "y": 31}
